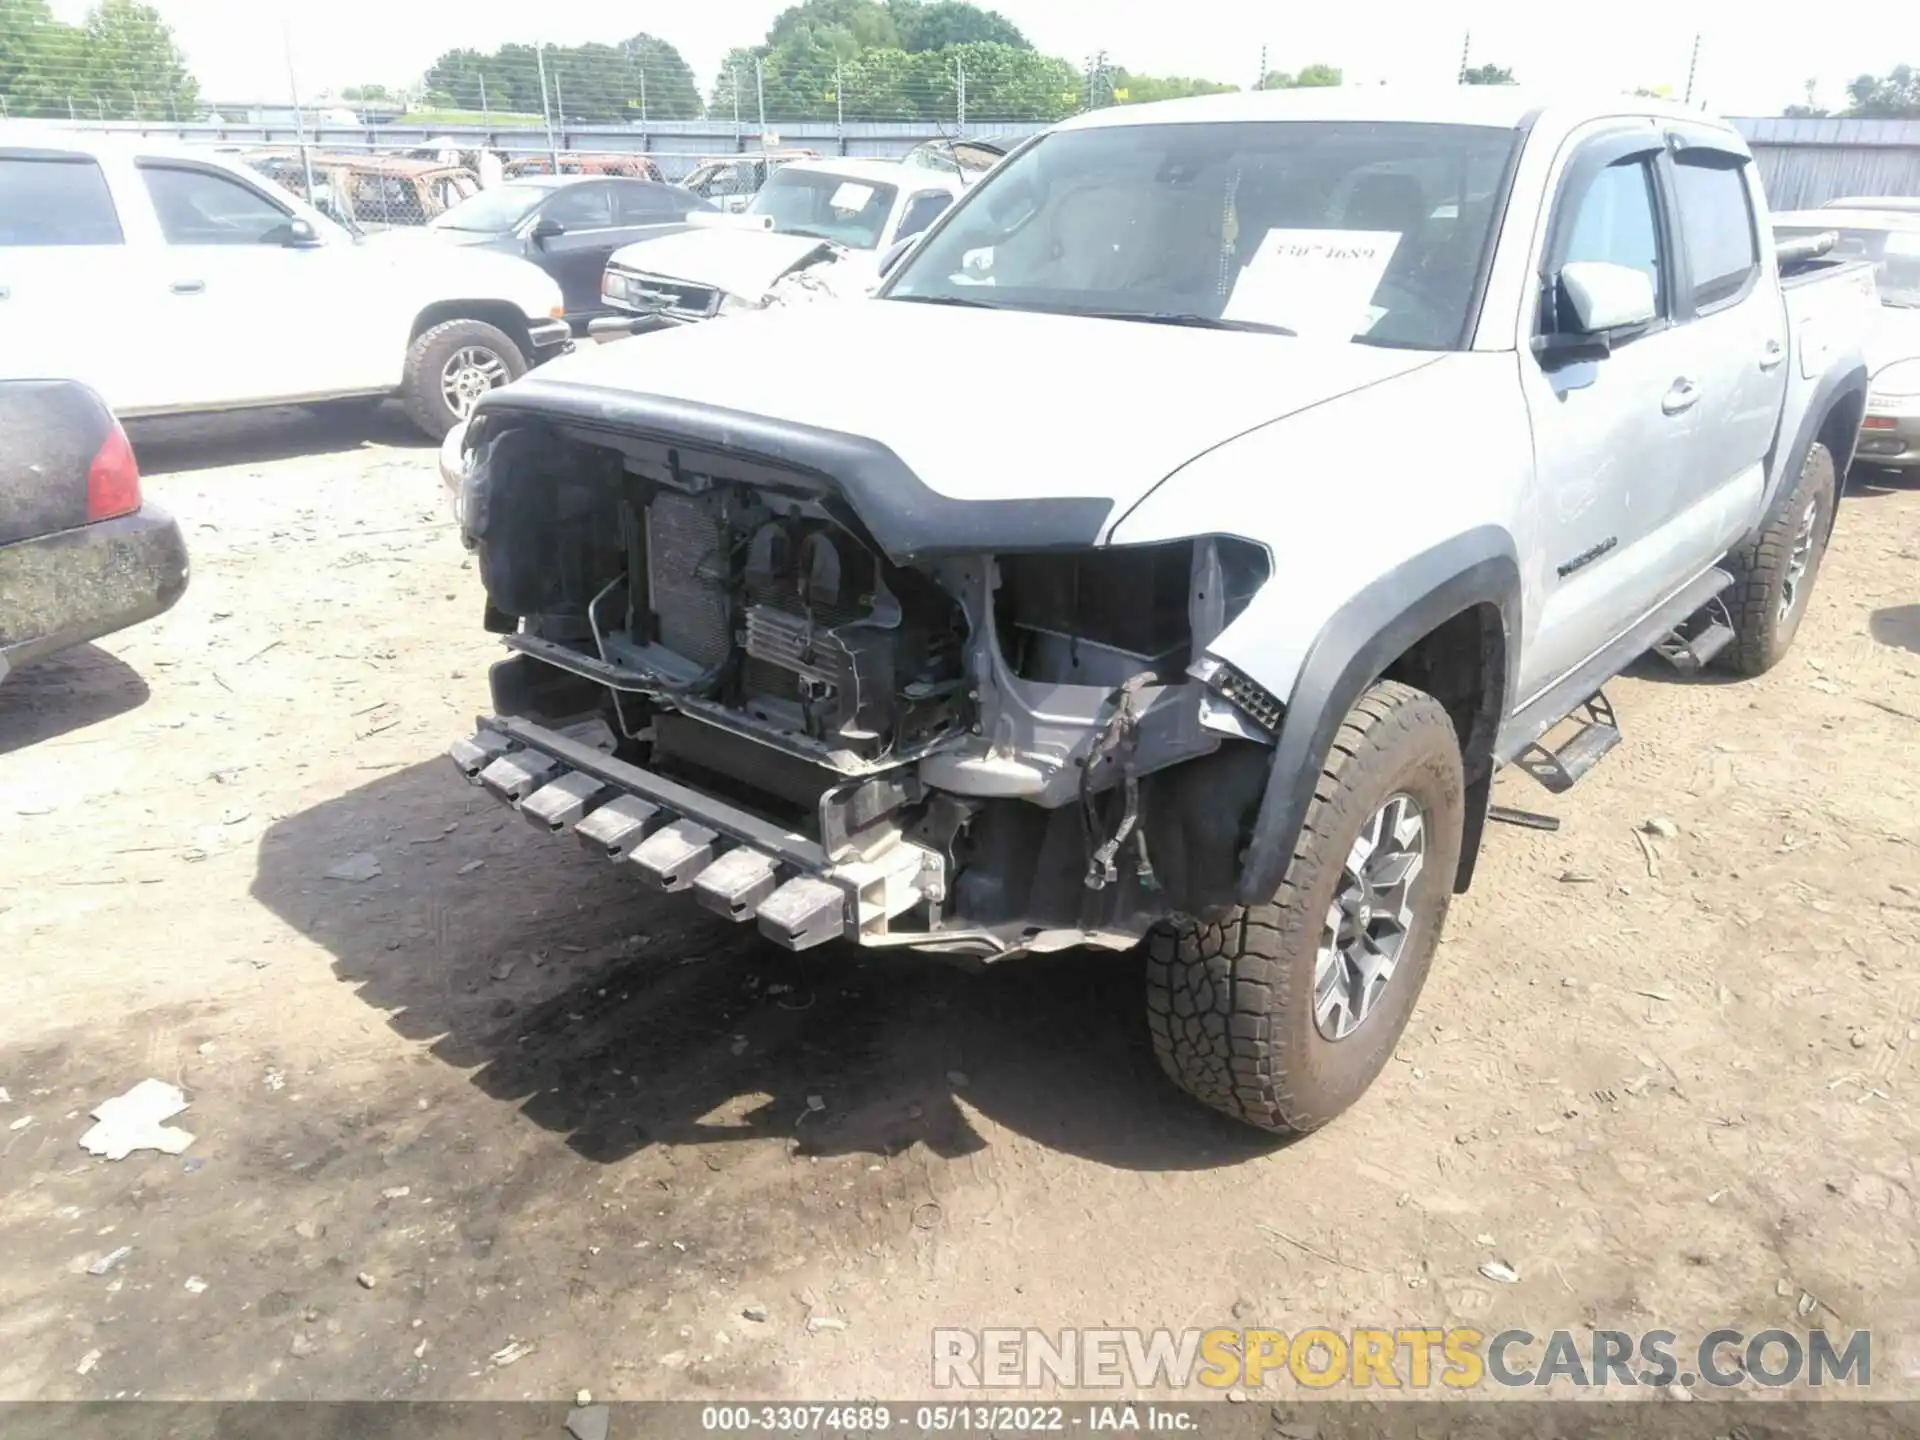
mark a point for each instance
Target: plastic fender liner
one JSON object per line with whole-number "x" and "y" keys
{"x": 1362, "y": 639}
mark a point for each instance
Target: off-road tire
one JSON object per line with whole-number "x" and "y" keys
{"x": 1762, "y": 634}
{"x": 1230, "y": 1002}
{"x": 427, "y": 357}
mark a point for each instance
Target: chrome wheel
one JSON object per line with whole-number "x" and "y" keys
{"x": 1799, "y": 559}
{"x": 470, "y": 373}
{"x": 1370, "y": 918}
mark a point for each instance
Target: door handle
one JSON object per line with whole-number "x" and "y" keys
{"x": 1681, "y": 397}
{"x": 1771, "y": 357}
{"x": 188, "y": 287}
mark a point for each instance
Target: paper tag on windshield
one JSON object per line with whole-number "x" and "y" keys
{"x": 1317, "y": 282}
{"x": 851, "y": 195}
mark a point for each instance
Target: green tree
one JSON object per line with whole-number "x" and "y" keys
{"x": 1895, "y": 95}
{"x": 848, "y": 26}
{"x": 1487, "y": 75}
{"x": 671, "y": 91}
{"x": 1307, "y": 78}
{"x": 1008, "y": 82}
{"x": 134, "y": 67}
{"x": 39, "y": 58}
{"x": 1131, "y": 89}
{"x": 941, "y": 23}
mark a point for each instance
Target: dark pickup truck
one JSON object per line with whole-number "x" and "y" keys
{"x": 81, "y": 555}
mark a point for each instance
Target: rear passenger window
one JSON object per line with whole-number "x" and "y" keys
{"x": 1617, "y": 222}
{"x": 1716, "y": 221}
{"x": 55, "y": 202}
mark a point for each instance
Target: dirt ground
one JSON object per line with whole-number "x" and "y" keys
{"x": 497, "y": 1095}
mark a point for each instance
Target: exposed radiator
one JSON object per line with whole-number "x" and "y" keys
{"x": 687, "y": 576}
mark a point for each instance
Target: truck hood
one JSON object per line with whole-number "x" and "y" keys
{"x": 426, "y": 261}
{"x": 1114, "y": 407}
{"x": 1895, "y": 337}
{"x": 742, "y": 262}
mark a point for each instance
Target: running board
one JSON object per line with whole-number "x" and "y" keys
{"x": 1692, "y": 655}
{"x": 1573, "y": 690}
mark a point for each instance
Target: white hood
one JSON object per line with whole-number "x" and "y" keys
{"x": 423, "y": 260}
{"x": 743, "y": 262}
{"x": 993, "y": 405}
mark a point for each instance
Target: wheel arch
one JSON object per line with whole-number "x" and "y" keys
{"x": 1833, "y": 418}
{"x": 501, "y": 314}
{"x": 1456, "y": 602}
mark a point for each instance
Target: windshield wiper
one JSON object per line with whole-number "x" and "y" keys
{"x": 967, "y": 300}
{"x": 1196, "y": 322}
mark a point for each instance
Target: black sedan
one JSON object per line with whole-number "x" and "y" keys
{"x": 81, "y": 555}
{"x": 569, "y": 225}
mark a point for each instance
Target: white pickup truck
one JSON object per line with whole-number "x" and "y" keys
{"x": 171, "y": 279}
{"x": 818, "y": 229}
{"x": 1359, "y": 438}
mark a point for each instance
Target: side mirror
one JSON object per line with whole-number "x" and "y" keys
{"x": 895, "y": 253}
{"x": 1600, "y": 298}
{"x": 546, "y": 229}
{"x": 302, "y": 236}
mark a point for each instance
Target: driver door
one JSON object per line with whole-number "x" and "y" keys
{"x": 576, "y": 256}
{"x": 1616, "y": 439}
{"x": 250, "y": 318}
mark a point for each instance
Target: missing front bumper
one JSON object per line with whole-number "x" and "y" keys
{"x": 737, "y": 864}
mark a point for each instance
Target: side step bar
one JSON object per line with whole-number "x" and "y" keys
{"x": 1560, "y": 770}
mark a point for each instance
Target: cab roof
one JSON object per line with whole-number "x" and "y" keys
{"x": 1505, "y": 107}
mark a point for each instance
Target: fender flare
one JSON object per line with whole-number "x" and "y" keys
{"x": 1352, "y": 650}
{"x": 1834, "y": 389}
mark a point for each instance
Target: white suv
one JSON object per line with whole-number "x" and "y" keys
{"x": 172, "y": 280}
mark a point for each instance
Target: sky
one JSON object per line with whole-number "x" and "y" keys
{"x": 1749, "y": 64}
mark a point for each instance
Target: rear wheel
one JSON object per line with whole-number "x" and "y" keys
{"x": 1773, "y": 577}
{"x": 451, "y": 366}
{"x": 1282, "y": 1014}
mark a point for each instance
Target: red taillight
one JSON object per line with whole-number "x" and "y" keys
{"x": 1877, "y": 422}
{"x": 113, "y": 480}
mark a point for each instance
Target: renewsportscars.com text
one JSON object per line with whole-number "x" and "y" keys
{"x": 1319, "y": 1358}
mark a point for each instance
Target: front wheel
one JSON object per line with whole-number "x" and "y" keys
{"x": 1282, "y": 1014}
{"x": 1773, "y": 577}
{"x": 451, "y": 366}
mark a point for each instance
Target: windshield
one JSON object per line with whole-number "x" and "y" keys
{"x": 1895, "y": 255}
{"x": 1335, "y": 229}
{"x": 491, "y": 211}
{"x": 829, "y": 207}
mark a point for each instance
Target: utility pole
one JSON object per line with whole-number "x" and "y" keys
{"x": 961, "y": 67}
{"x": 1693, "y": 64}
{"x": 643, "y": 94}
{"x": 736, "y": 109}
{"x": 1466, "y": 49}
{"x": 1261, "y": 83}
{"x": 299, "y": 115}
{"x": 486, "y": 111}
{"x": 1096, "y": 72}
{"x": 760, "y": 88}
{"x": 546, "y": 115}
{"x": 840, "y": 105}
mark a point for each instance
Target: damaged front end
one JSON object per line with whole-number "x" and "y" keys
{"x": 762, "y": 664}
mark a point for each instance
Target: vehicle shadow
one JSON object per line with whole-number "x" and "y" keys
{"x": 1898, "y": 626}
{"x": 622, "y": 1019}
{"x": 1871, "y": 482}
{"x": 176, "y": 445}
{"x": 66, "y": 692}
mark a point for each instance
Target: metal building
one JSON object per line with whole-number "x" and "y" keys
{"x": 1806, "y": 162}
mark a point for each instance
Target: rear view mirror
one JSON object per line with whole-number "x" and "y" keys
{"x": 301, "y": 235}
{"x": 546, "y": 229}
{"x": 895, "y": 252}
